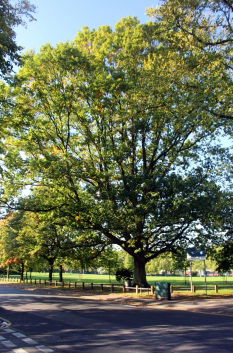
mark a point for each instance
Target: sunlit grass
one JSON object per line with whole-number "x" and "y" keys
{"x": 182, "y": 287}
{"x": 106, "y": 279}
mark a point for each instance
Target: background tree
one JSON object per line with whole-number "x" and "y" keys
{"x": 180, "y": 261}
{"x": 25, "y": 236}
{"x": 53, "y": 240}
{"x": 13, "y": 251}
{"x": 152, "y": 267}
{"x": 12, "y": 14}
{"x": 128, "y": 262}
{"x": 224, "y": 258}
{"x": 49, "y": 236}
{"x": 222, "y": 253}
{"x": 107, "y": 261}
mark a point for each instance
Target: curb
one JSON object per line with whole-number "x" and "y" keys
{"x": 4, "y": 323}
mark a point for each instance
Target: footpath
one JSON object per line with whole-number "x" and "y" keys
{"x": 219, "y": 305}
{"x": 215, "y": 306}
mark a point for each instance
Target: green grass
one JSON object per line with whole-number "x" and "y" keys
{"x": 95, "y": 278}
{"x": 176, "y": 281}
{"x": 74, "y": 277}
{"x": 180, "y": 281}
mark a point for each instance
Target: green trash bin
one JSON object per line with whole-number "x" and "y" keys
{"x": 162, "y": 290}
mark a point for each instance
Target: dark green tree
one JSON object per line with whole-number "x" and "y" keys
{"x": 224, "y": 257}
{"x": 180, "y": 261}
{"x": 12, "y": 14}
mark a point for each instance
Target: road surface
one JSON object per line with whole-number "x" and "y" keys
{"x": 49, "y": 323}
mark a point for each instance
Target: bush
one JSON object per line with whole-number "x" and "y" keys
{"x": 124, "y": 274}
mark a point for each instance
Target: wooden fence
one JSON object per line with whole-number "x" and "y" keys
{"x": 82, "y": 285}
{"x": 195, "y": 288}
{"x": 115, "y": 287}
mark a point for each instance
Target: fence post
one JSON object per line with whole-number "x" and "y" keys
{"x": 92, "y": 287}
{"x": 152, "y": 290}
{"x": 216, "y": 288}
{"x": 69, "y": 284}
{"x": 112, "y": 288}
{"x": 83, "y": 285}
{"x": 193, "y": 289}
{"x": 136, "y": 288}
{"x": 171, "y": 289}
{"x": 123, "y": 288}
{"x": 75, "y": 284}
{"x": 102, "y": 287}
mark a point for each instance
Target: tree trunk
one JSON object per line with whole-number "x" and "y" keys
{"x": 60, "y": 274}
{"x": 22, "y": 271}
{"x": 51, "y": 270}
{"x": 109, "y": 272}
{"x": 140, "y": 272}
{"x": 8, "y": 271}
{"x": 185, "y": 275}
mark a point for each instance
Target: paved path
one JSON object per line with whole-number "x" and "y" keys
{"x": 218, "y": 306}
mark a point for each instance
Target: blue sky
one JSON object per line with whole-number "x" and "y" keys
{"x": 60, "y": 20}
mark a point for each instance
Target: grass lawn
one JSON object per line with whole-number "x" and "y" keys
{"x": 225, "y": 285}
{"x": 104, "y": 279}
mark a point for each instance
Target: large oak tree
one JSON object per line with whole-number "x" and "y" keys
{"x": 108, "y": 122}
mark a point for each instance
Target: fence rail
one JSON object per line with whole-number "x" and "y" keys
{"x": 110, "y": 287}
{"x": 83, "y": 285}
{"x": 65, "y": 284}
{"x": 195, "y": 288}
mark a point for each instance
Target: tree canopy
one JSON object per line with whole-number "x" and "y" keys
{"x": 115, "y": 128}
{"x": 203, "y": 30}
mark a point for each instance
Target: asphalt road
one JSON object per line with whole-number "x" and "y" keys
{"x": 43, "y": 323}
